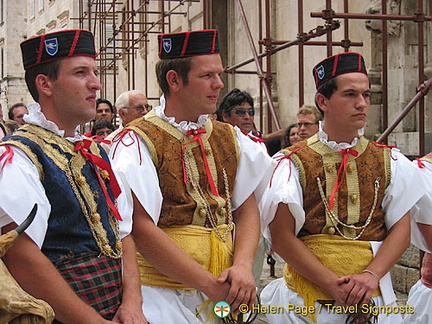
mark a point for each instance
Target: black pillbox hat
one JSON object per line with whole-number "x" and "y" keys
{"x": 57, "y": 45}
{"x": 192, "y": 43}
{"x": 336, "y": 65}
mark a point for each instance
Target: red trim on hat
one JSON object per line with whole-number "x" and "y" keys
{"x": 185, "y": 44}
{"x": 359, "y": 63}
{"x": 40, "y": 51}
{"x": 335, "y": 65}
{"x": 160, "y": 45}
{"x": 74, "y": 42}
{"x": 60, "y": 58}
{"x": 214, "y": 42}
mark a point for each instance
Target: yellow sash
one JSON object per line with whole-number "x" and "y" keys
{"x": 343, "y": 257}
{"x": 201, "y": 244}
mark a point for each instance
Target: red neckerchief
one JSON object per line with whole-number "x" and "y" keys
{"x": 96, "y": 161}
{"x": 7, "y": 156}
{"x": 341, "y": 173}
{"x": 197, "y": 138}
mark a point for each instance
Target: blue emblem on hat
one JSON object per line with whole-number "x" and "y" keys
{"x": 321, "y": 72}
{"x": 51, "y": 46}
{"x": 167, "y": 45}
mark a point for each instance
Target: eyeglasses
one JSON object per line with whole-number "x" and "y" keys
{"x": 305, "y": 124}
{"x": 141, "y": 108}
{"x": 242, "y": 112}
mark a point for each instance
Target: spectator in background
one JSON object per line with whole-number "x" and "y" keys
{"x": 130, "y": 105}
{"x": 308, "y": 118}
{"x": 101, "y": 129}
{"x": 17, "y": 112}
{"x": 237, "y": 109}
{"x": 291, "y": 136}
{"x": 104, "y": 110}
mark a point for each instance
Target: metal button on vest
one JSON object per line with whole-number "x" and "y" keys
{"x": 331, "y": 230}
{"x": 104, "y": 174}
{"x": 353, "y": 198}
{"x": 81, "y": 180}
{"x": 95, "y": 217}
{"x": 119, "y": 245}
{"x": 203, "y": 212}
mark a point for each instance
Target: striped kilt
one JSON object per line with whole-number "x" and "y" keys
{"x": 95, "y": 279}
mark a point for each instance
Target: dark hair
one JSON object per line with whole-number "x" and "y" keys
{"x": 326, "y": 89}
{"x": 50, "y": 69}
{"x": 11, "y": 109}
{"x": 101, "y": 123}
{"x": 181, "y": 65}
{"x": 105, "y": 101}
{"x": 285, "y": 141}
{"x": 233, "y": 98}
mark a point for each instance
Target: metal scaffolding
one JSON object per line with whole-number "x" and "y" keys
{"x": 124, "y": 28}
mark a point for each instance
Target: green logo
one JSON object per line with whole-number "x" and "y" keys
{"x": 222, "y": 309}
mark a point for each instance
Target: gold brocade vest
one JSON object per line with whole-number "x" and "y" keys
{"x": 355, "y": 198}
{"x": 183, "y": 204}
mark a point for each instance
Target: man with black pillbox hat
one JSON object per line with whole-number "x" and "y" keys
{"x": 194, "y": 182}
{"x": 337, "y": 210}
{"x": 77, "y": 254}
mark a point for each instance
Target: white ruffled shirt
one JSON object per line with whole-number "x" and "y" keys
{"x": 131, "y": 157}
{"x": 22, "y": 187}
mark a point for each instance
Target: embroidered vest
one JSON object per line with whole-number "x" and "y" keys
{"x": 80, "y": 220}
{"x": 357, "y": 196}
{"x": 186, "y": 204}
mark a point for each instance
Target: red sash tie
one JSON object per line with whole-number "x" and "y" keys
{"x": 83, "y": 147}
{"x": 341, "y": 173}
{"x": 197, "y": 138}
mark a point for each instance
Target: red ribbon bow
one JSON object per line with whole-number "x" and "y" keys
{"x": 6, "y": 156}
{"x": 279, "y": 160}
{"x": 341, "y": 173}
{"x": 197, "y": 138}
{"x": 83, "y": 147}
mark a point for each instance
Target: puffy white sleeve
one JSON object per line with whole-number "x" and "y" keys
{"x": 422, "y": 211}
{"x": 405, "y": 188}
{"x": 253, "y": 172}
{"x": 21, "y": 188}
{"x": 284, "y": 187}
{"x": 132, "y": 164}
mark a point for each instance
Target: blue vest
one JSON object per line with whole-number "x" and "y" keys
{"x": 78, "y": 204}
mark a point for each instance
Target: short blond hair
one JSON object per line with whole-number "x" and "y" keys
{"x": 310, "y": 110}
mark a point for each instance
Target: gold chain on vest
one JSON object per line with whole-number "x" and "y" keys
{"x": 336, "y": 221}
{"x": 206, "y": 205}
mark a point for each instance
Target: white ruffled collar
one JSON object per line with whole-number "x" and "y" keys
{"x": 183, "y": 126}
{"x": 323, "y": 137}
{"x": 37, "y": 117}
